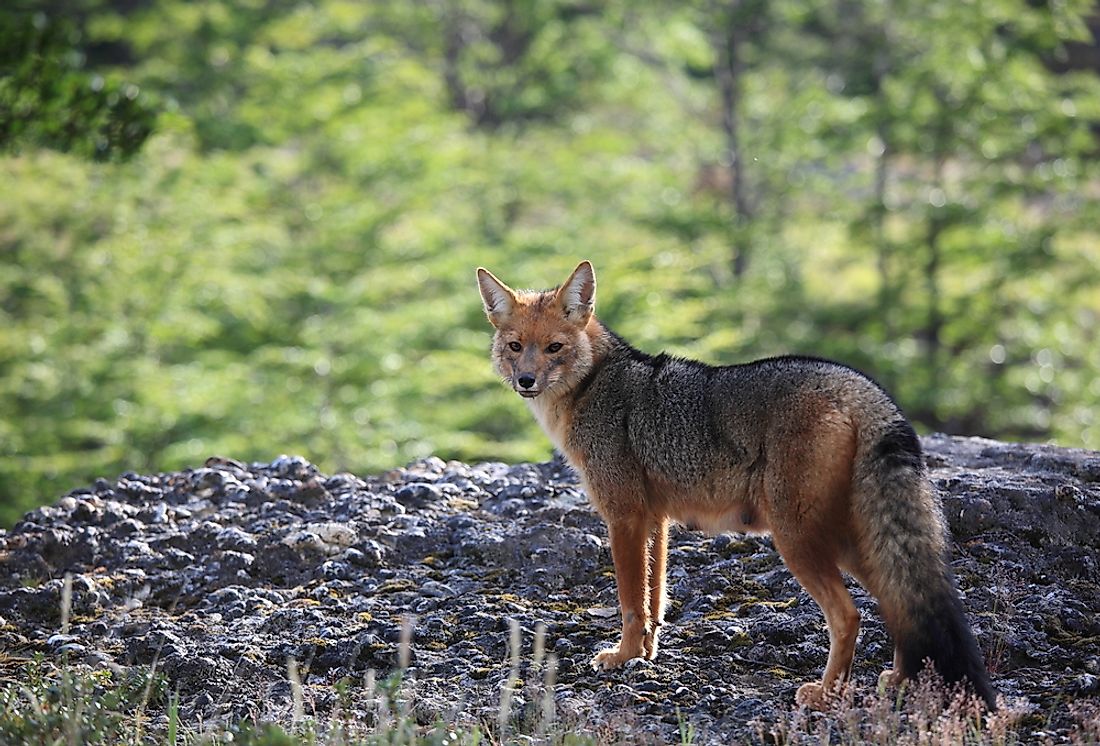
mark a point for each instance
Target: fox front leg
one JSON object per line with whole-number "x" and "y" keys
{"x": 630, "y": 552}
{"x": 658, "y": 556}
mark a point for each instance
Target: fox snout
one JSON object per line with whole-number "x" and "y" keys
{"x": 526, "y": 383}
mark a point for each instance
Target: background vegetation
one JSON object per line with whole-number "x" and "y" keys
{"x": 250, "y": 227}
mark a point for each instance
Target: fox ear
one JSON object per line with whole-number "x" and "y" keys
{"x": 578, "y": 294}
{"x": 499, "y": 299}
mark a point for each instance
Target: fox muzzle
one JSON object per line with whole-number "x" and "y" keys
{"x": 526, "y": 385}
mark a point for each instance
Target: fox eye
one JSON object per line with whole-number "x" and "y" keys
{"x": 554, "y": 347}
{"x": 515, "y": 346}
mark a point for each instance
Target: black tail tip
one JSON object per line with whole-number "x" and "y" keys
{"x": 943, "y": 638}
{"x": 985, "y": 691}
{"x": 967, "y": 670}
{"x": 978, "y": 683}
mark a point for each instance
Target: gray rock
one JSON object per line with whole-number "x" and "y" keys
{"x": 221, "y": 573}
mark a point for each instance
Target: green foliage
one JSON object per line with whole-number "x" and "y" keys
{"x": 286, "y": 265}
{"x": 65, "y": 707}
{"x": 77, "y": 706}
{"x": 48, "y": 100}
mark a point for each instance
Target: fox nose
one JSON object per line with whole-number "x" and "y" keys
{"x": 526, "y": 380}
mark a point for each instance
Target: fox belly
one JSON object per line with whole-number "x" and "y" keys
{"x": 736, "y": 517}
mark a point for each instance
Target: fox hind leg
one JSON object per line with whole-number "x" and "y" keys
{"x": 826, "y": 586}
{"x": 893, "y": 676}
{"x": 807, "y": 489}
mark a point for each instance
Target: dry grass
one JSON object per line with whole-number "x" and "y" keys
{"x": 49, "y": 704}
{"x": 925, "y": 712}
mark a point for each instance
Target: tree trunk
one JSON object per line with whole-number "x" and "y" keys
{"x": 728, "y": 70}
{"x": 878, "y": 234}
{"x": 453, "y": 45}
{"x": 934, "y": 323}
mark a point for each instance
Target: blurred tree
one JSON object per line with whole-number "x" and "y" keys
{"x": 735, "y": 25}
{"x": 49, "y": 99}
{"x": 285, "y": 265}
{"x": 973, "y": 145}
{"x": 763, "y": 98}
{"x": 509, "y": 61}
{"x": 516, "y": 60}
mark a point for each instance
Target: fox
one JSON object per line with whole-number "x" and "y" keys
{"x": 809, "y": 451}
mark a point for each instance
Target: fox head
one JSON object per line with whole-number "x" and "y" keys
{"x": 543, "y": 342}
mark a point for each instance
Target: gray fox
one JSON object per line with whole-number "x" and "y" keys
{"x": 810, "y": 451}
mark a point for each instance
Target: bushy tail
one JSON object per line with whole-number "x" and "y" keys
{"x": 905, "y": 552}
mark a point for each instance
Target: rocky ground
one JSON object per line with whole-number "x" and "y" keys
{"x": 221, "y": 574}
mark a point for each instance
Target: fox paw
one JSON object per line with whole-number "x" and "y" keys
{"x": 605, "y": 660}
{"x": 889, "y": 678}
{"x": 649, "y": 645}
{"x": 811, "y": 695}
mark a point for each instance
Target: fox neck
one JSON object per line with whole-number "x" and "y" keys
{"x": 553, "y": 409}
